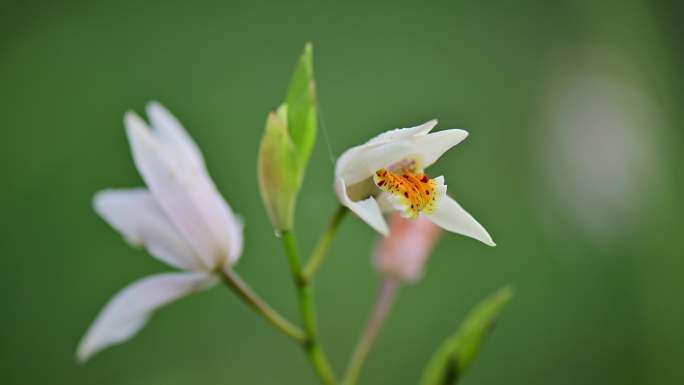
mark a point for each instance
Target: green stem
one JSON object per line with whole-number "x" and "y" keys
{"x": 307, "y": 308}
{"x": 383, "y": 304}
{"x": 240, "y": 287}
{"x": 321, "y": 250}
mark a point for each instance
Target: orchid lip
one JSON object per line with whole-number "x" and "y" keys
{"x": 411, "y": 191}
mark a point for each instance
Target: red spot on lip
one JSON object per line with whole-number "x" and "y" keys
{"x": 381, "y": 183}
{"x": 424, "y": 179}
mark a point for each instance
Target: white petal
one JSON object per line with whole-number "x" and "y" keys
{"x": 128, "y": 311}
{"x": 187, "y": 195}
{"x": 431, "y": 147}
{"x": 136, "y": 215}
{"x": 361, "y": 162}
{"x": 403, "y": 133}
{"x": 170, "y": 131}
{"x": 450, "y": 216}
{"x": 368, "y": 209}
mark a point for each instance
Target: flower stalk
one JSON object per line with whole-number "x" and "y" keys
{"x": 242, "y": 289}
{"x": 383, "y": 304}
{"x": 321, "y": 250}
{"x": 307, "y": 309}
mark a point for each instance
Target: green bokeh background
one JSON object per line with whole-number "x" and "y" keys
{"x": 588, "y": 309}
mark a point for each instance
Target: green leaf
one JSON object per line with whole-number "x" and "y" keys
{"x": 278, "y": 170}
{"x": 301, "y": 106}
{"x": 456, "y": 353}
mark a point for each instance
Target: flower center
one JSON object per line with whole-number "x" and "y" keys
{"x": 413, "y": 190}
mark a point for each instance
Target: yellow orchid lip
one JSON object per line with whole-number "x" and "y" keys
{"x": 415, "y": 190}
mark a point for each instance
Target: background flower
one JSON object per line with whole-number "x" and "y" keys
{"x": 403, "y": 254}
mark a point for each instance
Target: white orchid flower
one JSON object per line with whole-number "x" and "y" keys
{"x": 181, "y": 219}
{"x": 386, "y": 174}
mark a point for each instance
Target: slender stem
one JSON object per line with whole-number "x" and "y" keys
{"x": 240, "y": 287}
{"x": 307, "y": 308}
{"x": 383, "y": 304}
{"x": 321, "y": 250}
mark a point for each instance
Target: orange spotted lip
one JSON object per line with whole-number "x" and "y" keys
{"x": 416, "y": 191}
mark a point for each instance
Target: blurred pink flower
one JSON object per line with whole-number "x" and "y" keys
{"x": 402, "y": 255}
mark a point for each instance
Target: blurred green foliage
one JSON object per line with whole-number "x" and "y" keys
{"x": 454, "y": 356}
{"x": 587, "y": 310}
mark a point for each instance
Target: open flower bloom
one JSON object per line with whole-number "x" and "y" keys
{"x": 181, "y": 219}
{"x": 386, "y": 174}
{"x": 402, "y": 255}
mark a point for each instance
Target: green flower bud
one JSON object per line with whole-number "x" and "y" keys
{"x": 287, "y": 144}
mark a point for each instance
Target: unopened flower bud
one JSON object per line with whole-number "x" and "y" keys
{"x": 287, "y": 143}
{"x": 404, "y": 252}
{"x": 278, "y": 169}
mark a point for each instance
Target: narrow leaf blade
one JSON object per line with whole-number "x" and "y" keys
{"x": 457, "y": 352}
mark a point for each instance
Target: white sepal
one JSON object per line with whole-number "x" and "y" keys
{"x": 128, "y": 311}
{"x": 367, "y": 209}
{"x": 138, "y": 217}
{"x": 450, "y": 216}
{"x": 404, "y": 133}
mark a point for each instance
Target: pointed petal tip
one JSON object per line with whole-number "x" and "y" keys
{"x": 384, "y": 232}
{"x": 133, "y": 122}
{"x": 82, "y": 355}
{"x": 153, "y": 104}
{"x": 101, "y": 198}
{"x": 154, "y": 107}
{"x": 96, "y": 202}
{"x": 484, "y": 237}
{"x": 429, "y": 125}
{"x": 130, "y": 116}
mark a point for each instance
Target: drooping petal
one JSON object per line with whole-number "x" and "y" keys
{"x": 128, "y": 311}
{"x": 171, "y": 132}
{"x": 138, "y": 217}
{"x": 429, "y": 148}
{"x": 367, "y": 209}
{"x": 450, "y": 216}
{"x": 403, "y": 133}
{"x": 187, "y": 195}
